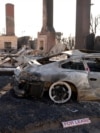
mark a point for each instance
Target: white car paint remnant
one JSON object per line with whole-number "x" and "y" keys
{"x": 76, "y": 122}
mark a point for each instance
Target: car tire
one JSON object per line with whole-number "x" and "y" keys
{"x": 60, "y": 92}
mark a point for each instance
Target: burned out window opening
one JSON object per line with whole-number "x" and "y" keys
{"x": 73, "y": 65}
{"x": 94, "y": 67}
{"x": 41, "y": 45}
{"x": 7, "y": 45}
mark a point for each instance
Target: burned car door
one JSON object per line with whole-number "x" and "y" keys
{"x": 76, "y": 73}
{"x": 94, "y": 81}
{"x": 94, "y": 74}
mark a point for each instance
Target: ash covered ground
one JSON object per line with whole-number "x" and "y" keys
{"x": 21, "y": 115}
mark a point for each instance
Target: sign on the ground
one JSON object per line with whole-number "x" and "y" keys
{"x": 76, "y": 122}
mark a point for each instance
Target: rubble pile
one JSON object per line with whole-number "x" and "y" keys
{"x": 58, "y": 48}
{"x": 9, "y": 61}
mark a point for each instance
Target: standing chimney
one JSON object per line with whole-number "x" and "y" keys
{"x": 46, "y": 38}
{"x": 10, "y": 20}
{"x": 47, "y": 16}
{"x": 82, "y": 23}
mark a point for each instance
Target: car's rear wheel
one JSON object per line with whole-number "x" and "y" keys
{"x": 60, "y": 92}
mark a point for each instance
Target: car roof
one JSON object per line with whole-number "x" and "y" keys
{"x": 80, "y": 54}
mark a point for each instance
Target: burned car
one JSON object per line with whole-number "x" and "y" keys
{"x": 77, "y": 77}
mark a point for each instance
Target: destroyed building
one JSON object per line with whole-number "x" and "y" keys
{"x": 9, "y": 40}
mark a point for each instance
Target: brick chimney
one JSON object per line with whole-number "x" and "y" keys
{"x": 10, "y": 26}
{"x": 46, "y": 38}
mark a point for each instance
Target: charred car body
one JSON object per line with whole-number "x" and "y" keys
{"x": 76, "y": 77}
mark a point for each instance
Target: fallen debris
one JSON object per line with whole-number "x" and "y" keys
{"x": 72, "y": 110}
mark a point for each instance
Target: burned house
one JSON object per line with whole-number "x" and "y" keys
{"x": 9, "y": 40}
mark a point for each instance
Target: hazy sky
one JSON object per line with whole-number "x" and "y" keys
{"x": 28, "y": 16}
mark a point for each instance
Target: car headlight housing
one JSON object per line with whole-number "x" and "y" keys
{"x": 29, "y": 76}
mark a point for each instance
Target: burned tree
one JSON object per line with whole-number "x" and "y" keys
{"x": 94, "y": 24}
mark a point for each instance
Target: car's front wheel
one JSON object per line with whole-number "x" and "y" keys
{"x": 60, "y": 92}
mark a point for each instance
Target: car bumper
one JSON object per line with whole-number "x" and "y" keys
{"x": 34, "y": 89}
